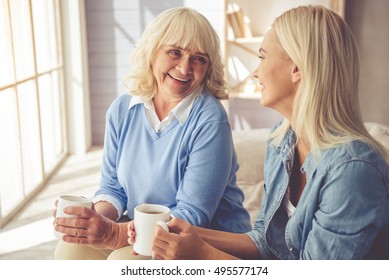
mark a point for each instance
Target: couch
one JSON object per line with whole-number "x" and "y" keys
{"x": 250, "y": 149}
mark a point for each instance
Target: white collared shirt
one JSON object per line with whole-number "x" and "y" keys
{"x": 180, "y": 111}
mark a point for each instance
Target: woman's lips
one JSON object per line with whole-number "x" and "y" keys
{"x": 182, "y": 80}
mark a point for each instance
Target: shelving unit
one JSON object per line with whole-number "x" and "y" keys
{"x": 245, "y": 110}
{"x": 241, "y": 57}
{"x": 246, "y": 22}
{"x": 241, "y": 50}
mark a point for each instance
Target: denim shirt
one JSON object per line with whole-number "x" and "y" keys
{"x": 343, "y": 212}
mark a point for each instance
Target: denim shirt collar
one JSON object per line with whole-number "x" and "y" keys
{"x": 287, "y": 148}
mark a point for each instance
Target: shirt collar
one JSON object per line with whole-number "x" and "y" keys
{"x": 135, "y": 100}
{"x": 287, "y": 148}
{"x": 181, "y": 111}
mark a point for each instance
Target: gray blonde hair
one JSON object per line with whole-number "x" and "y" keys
{"x": 326, "y": 109}
{"x": 181, "y": 27}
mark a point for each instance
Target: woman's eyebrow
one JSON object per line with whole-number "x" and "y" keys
{"x": 185, "y": 49}
{"x": 261, "y": 50}
{"x": 203, "y": 54}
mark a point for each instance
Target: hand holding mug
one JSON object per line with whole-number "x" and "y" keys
{"x": 65, "y": 201}
{"x": 146, "y": 217}
{"x": 182, "y": 243}
{"x": 82, "y": 225}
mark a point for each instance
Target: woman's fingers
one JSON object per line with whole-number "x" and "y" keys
{"x": 82, "y": 212}
{"x": 72, "y": 222}
{"x": 75, "y": 232}
{"x": 131, "y": 233}
{"x": 131, "y": 238}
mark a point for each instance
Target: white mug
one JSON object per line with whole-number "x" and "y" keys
{"x": 70, "y": 200}
{"x": 146, "y": 216}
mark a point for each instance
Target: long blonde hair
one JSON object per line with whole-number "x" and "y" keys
{"x": 182, "y": 27}
{"x": 326, "y": 109}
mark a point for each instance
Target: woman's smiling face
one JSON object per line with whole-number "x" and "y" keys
{"x": 179, "y": 71}
{"x": 277, "y": 76}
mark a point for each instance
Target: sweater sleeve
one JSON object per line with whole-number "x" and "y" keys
{"x": 110, "y": 187}
{"x": 206, "y": 174}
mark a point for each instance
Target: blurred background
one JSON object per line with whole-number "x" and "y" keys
{"x": 62, "y": 63}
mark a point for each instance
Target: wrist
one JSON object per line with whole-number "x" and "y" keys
{"x": 121, "y": 240}
{"x": 211, "y": 253}
{"x": 116, "y": 236}
{"x": 206, "y": 252}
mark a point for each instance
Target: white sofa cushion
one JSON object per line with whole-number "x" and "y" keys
{"x": 250, "y": 150}
{"x": 253, "y": 194}
{"x": 379, "y": 132}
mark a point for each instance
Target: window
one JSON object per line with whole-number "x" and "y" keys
{"x": 32, "y": 113}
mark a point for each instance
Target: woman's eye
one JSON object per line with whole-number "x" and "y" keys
{"x": 200, "y": 59}
{"x": 175, "y": 53}
{"x": 260, "y": 57}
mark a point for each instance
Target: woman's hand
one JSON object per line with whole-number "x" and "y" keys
{"x": 182, "y": 242}
{"x": 131, "y": 235}
{"x": 91, "y": 228}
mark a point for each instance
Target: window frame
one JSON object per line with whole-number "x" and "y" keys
{"x": 26, "y": 193}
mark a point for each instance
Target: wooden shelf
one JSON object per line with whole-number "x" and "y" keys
{"x": 252, "y": 40}
{"x": 241, "y": 52}
{"x": 245, "y": 95}
{"x": 243, "y": 42}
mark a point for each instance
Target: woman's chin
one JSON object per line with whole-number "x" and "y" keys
{"x": 262, "y": 100}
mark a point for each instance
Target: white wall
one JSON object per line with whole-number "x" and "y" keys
{"x": 369, "y": 21}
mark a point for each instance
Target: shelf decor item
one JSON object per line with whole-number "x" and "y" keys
{"x": 238, "y": 21}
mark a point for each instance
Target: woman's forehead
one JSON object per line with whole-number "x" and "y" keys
{"x": 271, "y": 44}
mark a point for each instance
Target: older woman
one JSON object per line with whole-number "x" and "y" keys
{"x": 326, "y": 178}
{"x": 167, "y": 142}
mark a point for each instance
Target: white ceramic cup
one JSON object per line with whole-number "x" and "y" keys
{"x": 145, "y": 218}
{"x": 70, "y": 200}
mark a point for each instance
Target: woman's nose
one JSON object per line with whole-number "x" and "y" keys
{"x": 255, "y": 73}
{"x": 185, "y": 66}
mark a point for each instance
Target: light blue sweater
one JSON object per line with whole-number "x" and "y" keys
{"x": 190, "y": 168}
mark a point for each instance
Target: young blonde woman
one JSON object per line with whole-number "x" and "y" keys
{"x": 168, "y": 142}
{"x": 326, "y": 178}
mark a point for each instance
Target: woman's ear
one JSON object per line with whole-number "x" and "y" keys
{"x": 296, "y": 74}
